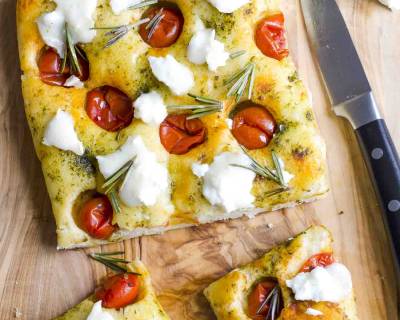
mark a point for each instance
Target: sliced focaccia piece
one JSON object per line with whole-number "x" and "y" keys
{"x": 125, "y": 296}
{"x": 297, "y": 280}
{"x": 149, "y": 116}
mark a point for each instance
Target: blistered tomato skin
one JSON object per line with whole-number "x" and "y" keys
{"x": 167, "y": 31}
{"x": 270, "y": 37}
{"x": 109, "y": 108}
{"x": 96, "y": 217}
{"x": 253, "y": 127}
{"x": 318, "y": 260}
{"x": 256, "y": 299}
{"x": 50, "y": 68}
{"x": 119, "y": 291}
{"x": 179, "y": 135}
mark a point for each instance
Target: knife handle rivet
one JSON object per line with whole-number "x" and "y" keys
{"x": 377, "y": 153}
{"x": 394, "y": 205}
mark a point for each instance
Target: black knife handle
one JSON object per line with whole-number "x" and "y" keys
{"x": 384, "y": 167}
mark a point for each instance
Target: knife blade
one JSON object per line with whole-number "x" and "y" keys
{"x": 339, "y": 63}
{"x": 351, "y": 97}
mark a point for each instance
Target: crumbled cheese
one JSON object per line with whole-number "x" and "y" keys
{"x": 227, "y": 185}
{"x": 313, "y": 312}
{"x": 331, "y": 283}
{"x": 73, "y": 81}
{"x": 60, "y": 133}
{"x": 118, "y": 6}
{"x": 150, "y": 108}
{"x": 199, "y": 170}
{"x": 228, "y": 6}
{"x": 111, "y": 163}
{"x": 146, "y": 180}
{"x": 175, "y": 75}
{"x": 98, "y": 313}
{"x": 204, "y": 48}
{"x": 77, "y": 14}
{"x": 392, "y": 4}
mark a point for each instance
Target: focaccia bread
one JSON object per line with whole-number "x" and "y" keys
{"x": 309, "y": 284}
{"x": 96, "y": 99}
{"x": 145, "y": 306}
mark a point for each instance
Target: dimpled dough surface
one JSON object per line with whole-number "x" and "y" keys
{"x": 124, "y": 65}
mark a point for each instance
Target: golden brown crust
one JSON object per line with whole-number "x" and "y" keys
{"x": 125, "y": 66}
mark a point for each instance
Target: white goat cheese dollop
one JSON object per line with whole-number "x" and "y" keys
{"x": 175, "y": 75}
{"x": 77, "y": 14}
{"x": 228, "y": 6}
{"x": 226, "y": 185}
{"x": 60, "y": 133}
{"x": 204, "y": 48}
{"x": 331, "y": 283}
{"x": 150, "y": 108}
{"x": 98, "y": 313}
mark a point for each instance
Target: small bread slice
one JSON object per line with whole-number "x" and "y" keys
{"x": 228, "y": 295}
{"x": 146, "y": 306}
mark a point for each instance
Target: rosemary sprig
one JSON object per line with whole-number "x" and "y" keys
{"x": 207, "y": 106}
{"x": 242, "y": 80}
{"x": 118, "y": 32}
{"x": 143, "y": 3}
{"x": 111, "y": 183}
{"x": 154, "y": 22}
{"x": 114, "y": 263}
{"x": 275, "y": 174}
{"x": 71, "y": 53}
{"x": 237, "y": 54}
{"x": 273, "y": 299}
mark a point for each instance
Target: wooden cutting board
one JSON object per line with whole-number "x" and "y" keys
{"x": 37, "y": 282}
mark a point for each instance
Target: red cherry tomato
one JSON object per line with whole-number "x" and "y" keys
{"x": 256, "y": 299}
{"x": 109, "y": 108}
{"x": 50, "y": 68}
{"x": 253, "y": 127}
{"x": 96, "y": 217}
{"x": 271, "y": 37}
{"x": 167, "y": 31}
{"x": 178, "y": 134}
{"x": 119, "y": 291}
{"x": 318, "y": 260}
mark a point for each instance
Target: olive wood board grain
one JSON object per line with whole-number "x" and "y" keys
{"x": 37, "y": 282}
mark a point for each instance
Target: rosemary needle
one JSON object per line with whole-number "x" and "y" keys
{"x": 118, "y": 32}
{"x": 142, "y": 4}
{"x": 206, "y": 107}
{"x": 154, "y": 22}
{"x": 71, "y": 52}
{"x": 114, "y": 263}
{"x": 242, "y": 80}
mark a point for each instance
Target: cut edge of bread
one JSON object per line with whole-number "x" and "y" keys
{"x": 138, "y": 232}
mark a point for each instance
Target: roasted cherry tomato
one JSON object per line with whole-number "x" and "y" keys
{"x": 166, "y": 29}
{"x": 119, "y": 291}
{"x": 50, "y": 68}
{"x": 318, "y": 260}
{"x": 271, "y": 37}
{"x": 96, "y": 217}
{"x": 178, "y": 134}
{"x": 257, "y": 297}
{"x": 109, "y": 108}
{"x": 253, "y": 127}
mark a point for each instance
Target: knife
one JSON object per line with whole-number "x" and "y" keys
{"x": 351, "y": 97}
